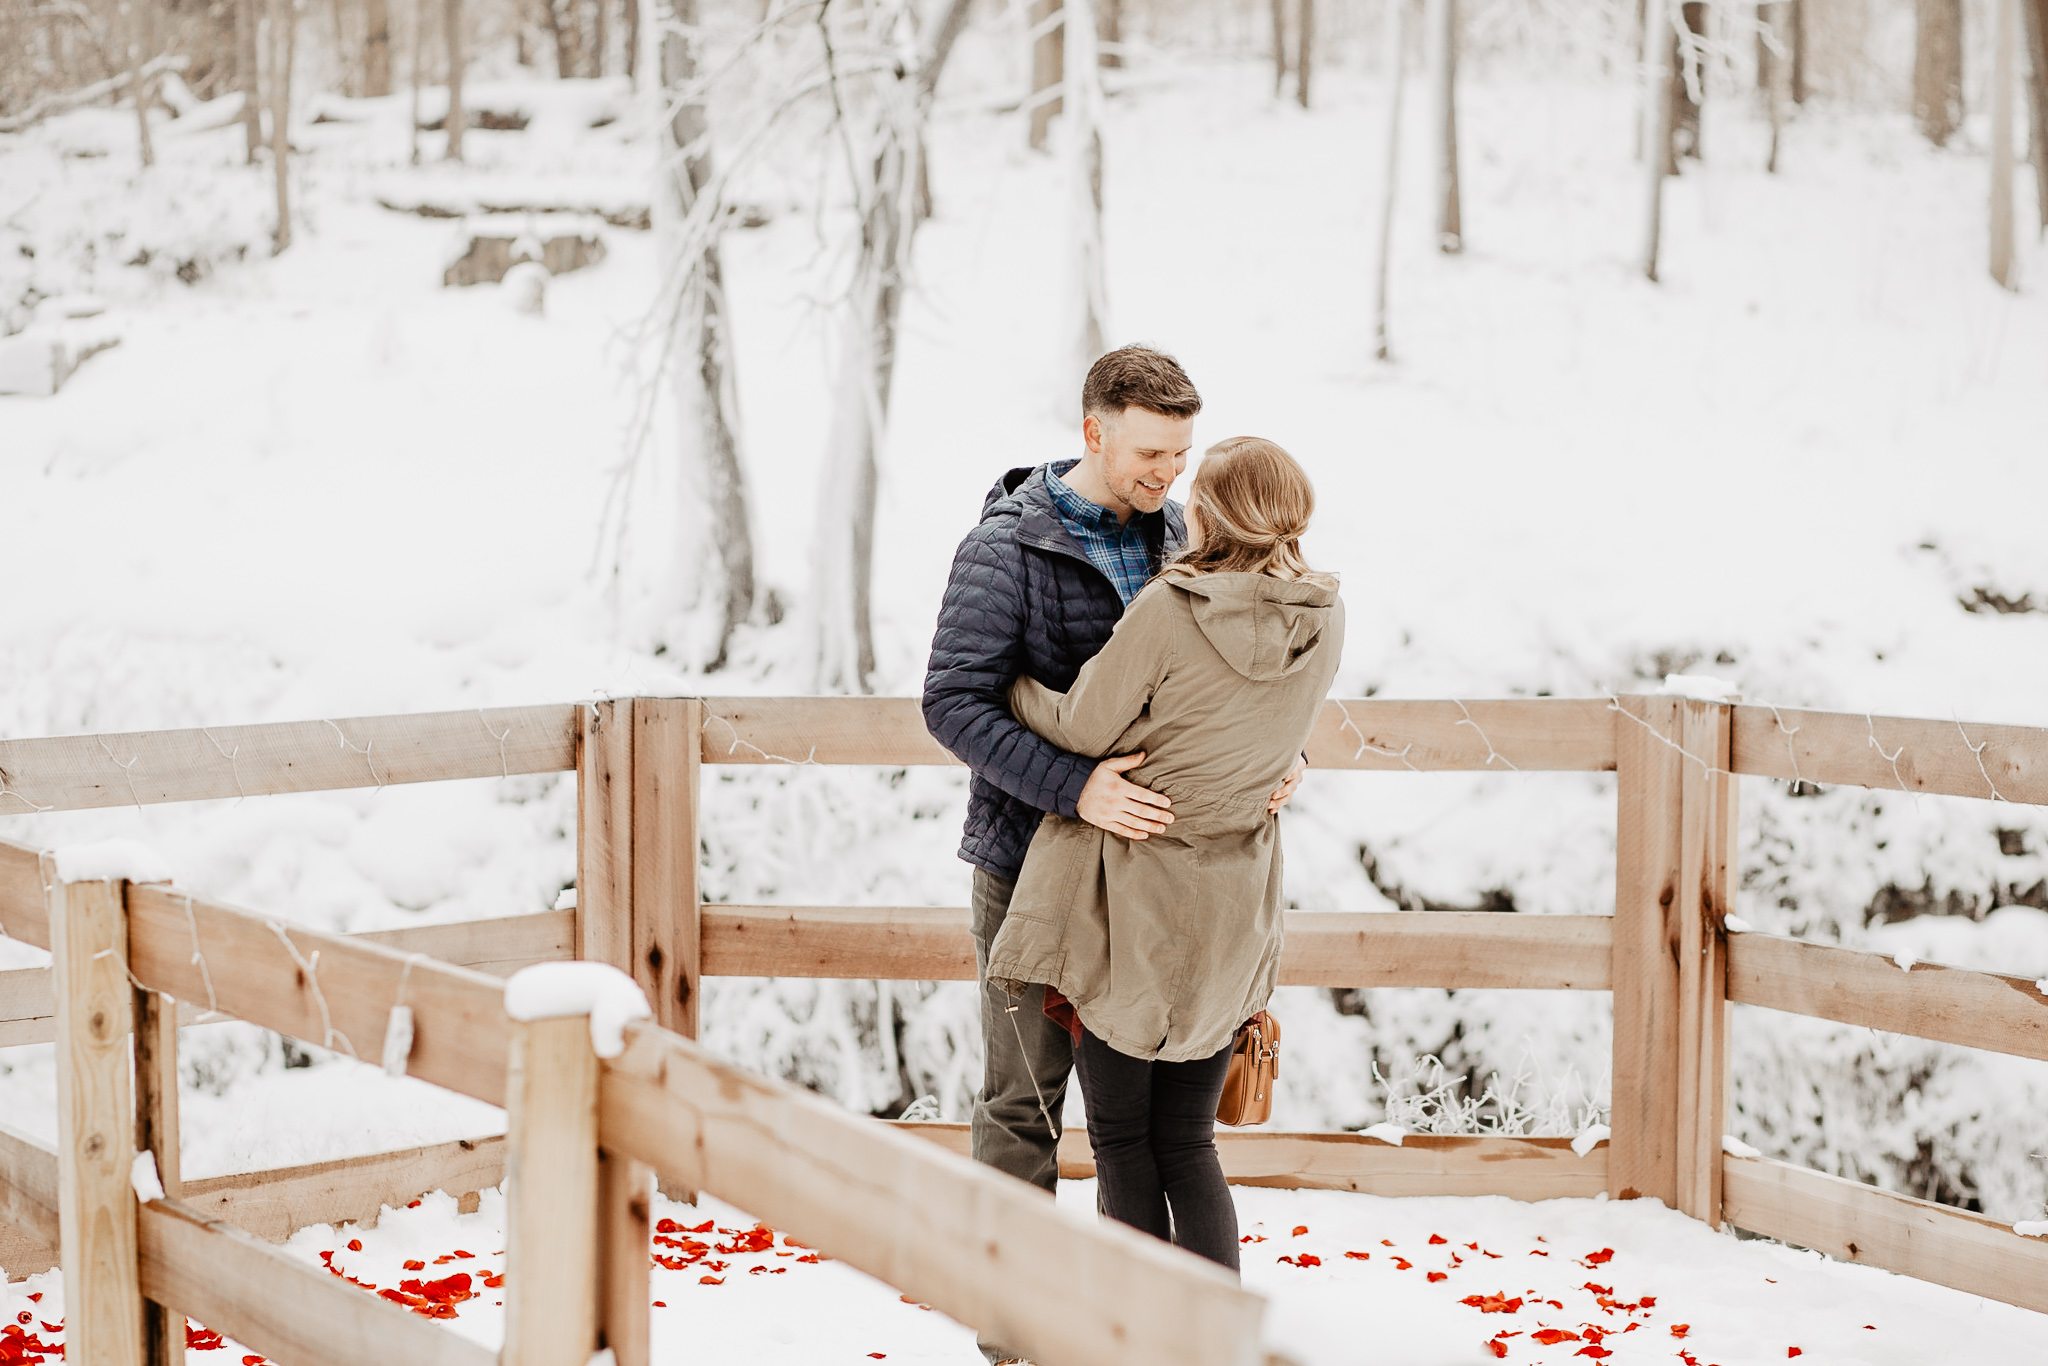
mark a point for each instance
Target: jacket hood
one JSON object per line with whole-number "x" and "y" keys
{"x": 1265, "y": 628}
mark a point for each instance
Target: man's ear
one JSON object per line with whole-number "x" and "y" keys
{"x": 1091, "y": 432}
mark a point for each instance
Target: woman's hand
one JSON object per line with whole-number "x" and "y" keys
{"x": 1285, "y": 792}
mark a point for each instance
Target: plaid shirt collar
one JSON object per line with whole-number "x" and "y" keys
{"x": 1118, "y": 549}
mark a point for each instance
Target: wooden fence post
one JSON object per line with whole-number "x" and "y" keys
{"x": 156, "y": 1131}
{"x": 625, "y": 1224}
{"x": 551, "y": 1173}
{"x": 667, "y": 907}
{"x": 1706, "y": 890}
{"x": 604, "y": 834}
{"x": 1642, "y": 1155}
{"x": 95, "y": 1124}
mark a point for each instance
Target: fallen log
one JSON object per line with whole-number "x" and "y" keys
{"x": 43, "y": 106}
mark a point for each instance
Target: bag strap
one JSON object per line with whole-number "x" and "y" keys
{"x": 1018, "y": 1030}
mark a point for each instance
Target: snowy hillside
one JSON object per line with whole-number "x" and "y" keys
{"x": 324, "y": 484}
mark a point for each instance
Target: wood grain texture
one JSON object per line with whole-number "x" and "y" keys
{"x": 988, "y": 1250}
{"x": 277, "y": 1305}
{"x": 1706, "y": 893}
{"x": 665, "y": 912}
{"x": 28, "y": 1192}
{"x": 95, "y": 1125}
{"x": 23, "y": 912}
{"x": 78, "y": 772}
{"x": 1860, "y": 1223}
{"x": 23, "y": 1254}
{"x": 1324, "y": 948}
{"x": 551, "y": 1195}
{"x": 1851, "y": 748}
{"x": 156, "y": 1132}
{"x": 263, "y": 971}
{"x": 277, "y": 1202}
{"x": 499, "y": 946}
{"x": 604, "y": 835}
{"x": 625, "y": 1225}
{"x": 1519, "y": 1168}
{"x": 1951, "y": 1005}
{"x": 1367, "y": 733}
{"x": 1642, "y": 1160}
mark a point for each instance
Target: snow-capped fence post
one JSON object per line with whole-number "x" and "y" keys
{"x": 1643, "y": 1150}
{"x": 604, "y": 833}
{"x": 95, "y": 1152}
{"x": 551, "y": 1203}
{"x": 156, "y": 1133}
{"x": 1706, "y": 891}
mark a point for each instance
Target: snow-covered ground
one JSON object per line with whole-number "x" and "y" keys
{"x": 322, "y": 484}
{"x": 1351, "y": 1280}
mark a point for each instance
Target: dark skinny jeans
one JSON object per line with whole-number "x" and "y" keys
{"x": 1153, "y": 1128}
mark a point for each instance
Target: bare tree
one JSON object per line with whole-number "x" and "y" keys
{"x": 451, "y": 11}
{"x": 600, "y": 35}
{"x": 1688, "y": 81}
{"x": 1797, "y": 17}
{"x": 1305, "y": 38}
{"x": 137, "y": 37}
{"x": 284, "y": 33}
{"x": 1047, "y": 51}
{"x": 1279, "y": 8}
{"x": 1771, "y": 29}
{"x": 880, "y": 164}
{"x": 1396, "y": 40}
{"x": 2002, "y": 264}
{"x": 1657, "y": 99}
{"x": 565, "y": 26}
{"x": 1938, "y": 69}
{"x": 419, "y": 53}
{"x": 1110, "y": 28}
{"x": 1088, "y": 294}
{"x": 248, "y": 19}
{"x": 717, "y": 544}
{"x": 1450, "y": 227}
{"x": 376, "y": 47}
{"x": 2036, "y": 14}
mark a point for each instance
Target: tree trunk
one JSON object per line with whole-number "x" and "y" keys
{"x": 1112, "y": 32}
{"x": 419, "y": 54}
{"x": 1938, "y": 69}
{"x": 1089, "y": 289}
{"x": 1688, "y": 83}
{"x": 1656, "y": 126}
{"x": 565, "y": 24}
{"x": 1047, "y": 50}
{"x": 2036, "y": 14}
{"x": 633, "y": 42}
{"x": 283, "y": 48}
{"x": 376, "y": 47}
{"x": 951, "y": 23}
{"x": 1798, "y": 17}
{"x": 135, "y": 13}
{"x": 1450, "y": 227}
{"x": 1305, "y": 24}
{"x": 2001, "y": 146}
{"x": 1279, "y": 8}
{"x": 1771, "y": 28}
{"x": 716, "y": 544}
{"x": 247, "y": 67}
{"x": 600, "y": 36}
{"x": 1396, "y": 39}
{"x": 344, "y": 53}
{"x": 457, "y": 117}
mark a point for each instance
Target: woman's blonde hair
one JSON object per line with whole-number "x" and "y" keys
{"x": 1254, "y": 501}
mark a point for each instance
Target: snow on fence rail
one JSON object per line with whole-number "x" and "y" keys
{"x": 1665, "y": 954}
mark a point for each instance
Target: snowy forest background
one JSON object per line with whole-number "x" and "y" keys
{"x": 676, "y": 350}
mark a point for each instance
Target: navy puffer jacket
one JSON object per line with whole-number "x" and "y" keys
{"x": 1023, "y": 599}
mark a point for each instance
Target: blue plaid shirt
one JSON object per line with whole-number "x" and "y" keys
{"x": 1117, "y": 549}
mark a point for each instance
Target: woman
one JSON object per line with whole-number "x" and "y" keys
{"x": 1164, "y": 946}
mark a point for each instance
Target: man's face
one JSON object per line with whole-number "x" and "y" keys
{"x": 1141, "y": 454}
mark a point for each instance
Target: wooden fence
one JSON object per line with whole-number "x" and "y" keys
{"x": 889, "y": 1199}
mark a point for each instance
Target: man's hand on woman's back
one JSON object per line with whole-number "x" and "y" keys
{"x": 1114, "y": 803}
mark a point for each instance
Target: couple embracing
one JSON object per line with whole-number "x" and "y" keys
{"x": 1131, "y": 683}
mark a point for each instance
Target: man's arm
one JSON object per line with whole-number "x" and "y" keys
{"x": 977, "y": 652}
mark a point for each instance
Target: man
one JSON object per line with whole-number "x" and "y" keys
{"x": 1036, "y": 589}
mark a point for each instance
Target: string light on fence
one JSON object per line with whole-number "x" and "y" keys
{"x": 398, "y": 1025}
{"x": 1893, "y": 757}
{"x": 362, "y": 749}
{"x": 198, "y": 960}
{"x": 738, "y": 740}
{"x": 127, "y": 769}
{"x": 1365, "y": 745}
{"x": 1790, "y": 748}
{"x": 7, "y": 791}
{"x": 234, "y": 769}
{"x": 504, "y": 764}
{"x": 311, "y": 969}
{"x": 1706, "y": 769}
{"x": 1491, "y": 752}
{"x": 1977, "y": 753}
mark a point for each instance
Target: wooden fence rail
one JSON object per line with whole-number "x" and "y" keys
{"x": 836, "y": 1180}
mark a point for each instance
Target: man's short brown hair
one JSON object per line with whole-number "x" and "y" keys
{"x": 1138, "y": 377}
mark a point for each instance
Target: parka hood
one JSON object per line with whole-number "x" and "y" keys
{"x": 1265, "y": 628}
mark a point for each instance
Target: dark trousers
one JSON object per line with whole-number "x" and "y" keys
{"x": 1009, "y": 1132}
{"x": 1153, "y": 1127}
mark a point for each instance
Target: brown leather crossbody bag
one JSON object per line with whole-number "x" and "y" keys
{"x": 1254, "y": 1065}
